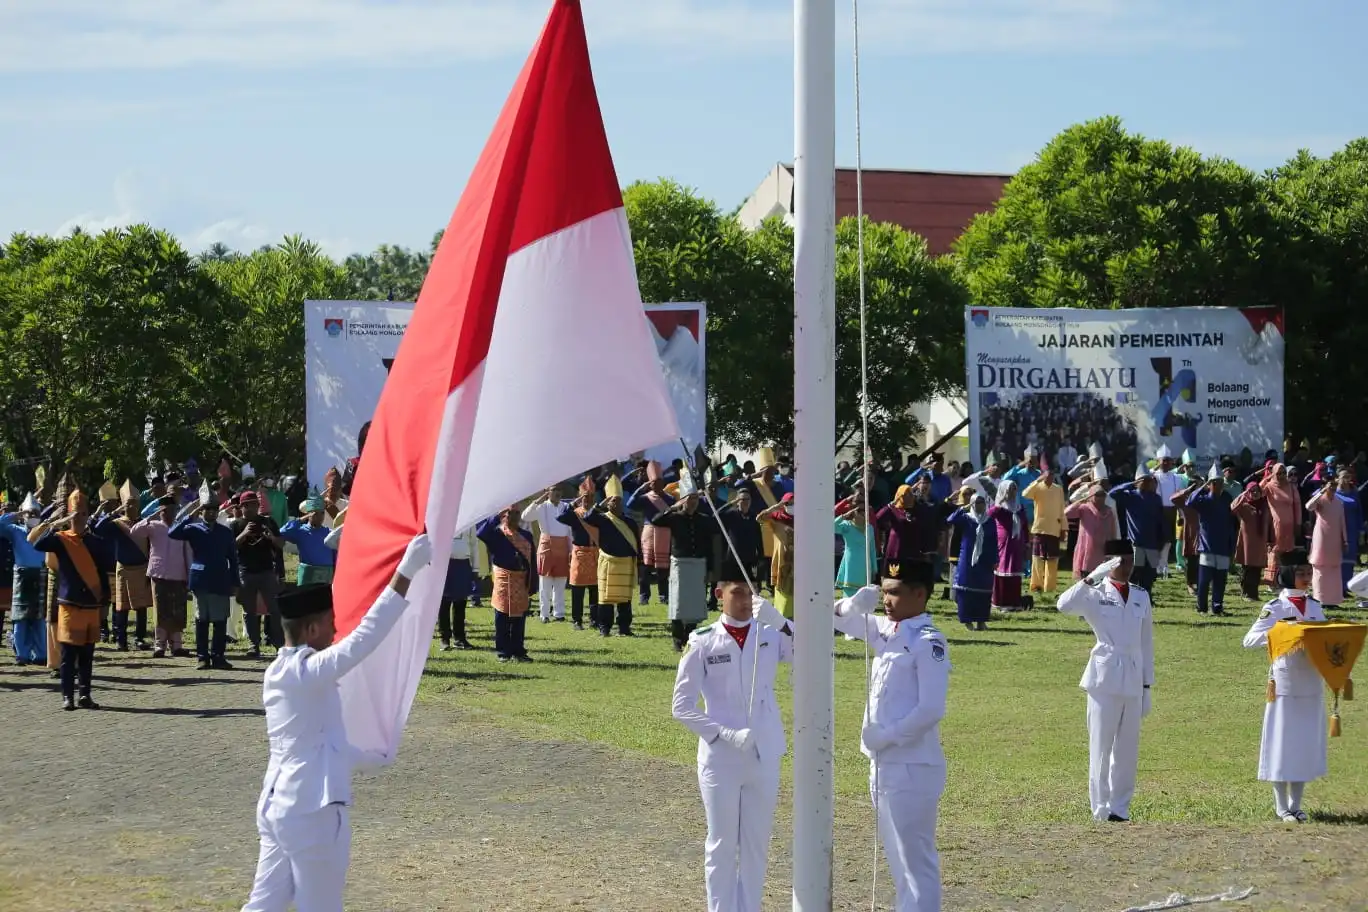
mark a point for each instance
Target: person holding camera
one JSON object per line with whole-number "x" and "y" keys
{"x": 258, "y": 544}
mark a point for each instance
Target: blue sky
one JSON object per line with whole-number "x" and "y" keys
{"x": 355, "y": 122}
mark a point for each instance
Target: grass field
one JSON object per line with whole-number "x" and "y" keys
{"x": 1015, "y": 736}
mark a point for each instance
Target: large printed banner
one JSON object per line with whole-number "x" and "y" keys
{"x": 1205, "y": 378}
{"x": 349, "y": 347}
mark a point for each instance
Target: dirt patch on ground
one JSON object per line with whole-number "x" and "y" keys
{"x": 148, "y": 805}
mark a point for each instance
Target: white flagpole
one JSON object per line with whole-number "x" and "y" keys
{"x": 814, "y": 400}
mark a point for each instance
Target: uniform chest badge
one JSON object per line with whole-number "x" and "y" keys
{"x": 719, "y": 659}
{"x": 1265, "y": 614}
{"x": 938, "y": 652}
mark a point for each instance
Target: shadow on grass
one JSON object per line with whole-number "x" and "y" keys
{"x": 1202, "y": 622}
{"x": 977, "y": 642}
{"x": 217, "y": 678}
{"x": 1067, "y": 631}
{"x": 611, "y": 663}
{"x": 459, "y": 675}
{"x": 181, "y": 711}
{"x": 1359, "y": 818}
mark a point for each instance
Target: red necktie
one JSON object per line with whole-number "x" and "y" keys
{"x": 1124, "y": 589}
{"x": 1298, "y": 602}
{"x": 737, "y": 633}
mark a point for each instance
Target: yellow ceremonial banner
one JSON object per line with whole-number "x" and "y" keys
{"x": 1332, "y": 646}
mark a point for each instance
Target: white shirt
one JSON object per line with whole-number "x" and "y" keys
{"x": 545, "y": 516}
{"x": 720, "y": 672}
{"x": 311, "y": 759}
{"x": 1066, "y": 458}
{"x": 1170, "y": 483}
{"x": 463, "y": 545}
{"x": 909, "y": 683}
{"x": 1122, "y": 662}
{"x": 1293, "y": 674}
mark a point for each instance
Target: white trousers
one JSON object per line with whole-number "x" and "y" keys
{"x": 1113, "y": 753}
{"x": 738, "y": 799}
{"x": 907, "y": 797}
{"x": 551, "y": 595}
{"x": 303, "y": 859}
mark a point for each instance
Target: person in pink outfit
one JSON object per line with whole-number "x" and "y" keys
{"x": 1284, "y": 502}
{"x": 1328, "y": 542}
{"x": 1096, "y": 526}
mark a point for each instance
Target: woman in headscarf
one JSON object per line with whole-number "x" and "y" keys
{"x": 1286, "y": 508}
{"x": 859, "y": 554}
{"x": 897, "y": 527}
{"x": 1254, "y": 538}
{"x": 978, "y": 558}
{"x": 1328, "y": 544}
{"x": 1012, "y": 536}
{"x": 1097, "y": 525}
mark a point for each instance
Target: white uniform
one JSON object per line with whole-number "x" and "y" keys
{"x": 302, "y": 813}
{"x": 910, "y": 679}
{"x": 738, "y": 756}
{"x": 1119, "y": 671}
{"x": 1294, "y": 748}
{"x": 550, "y": 589}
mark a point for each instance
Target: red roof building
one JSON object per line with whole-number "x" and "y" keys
{"x": 938, "y": 205}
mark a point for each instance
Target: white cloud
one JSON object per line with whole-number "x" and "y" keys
{"x": 159, "y": 34}
{"x": 198, "y": 222}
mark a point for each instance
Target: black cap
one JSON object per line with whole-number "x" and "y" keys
{"x": 731, "y": 572}
{"x": 912, "y": 572}
{"x": 1119, "y": 547}
{"x": 1297, "y": 558}
{"x": 305, "y": 601}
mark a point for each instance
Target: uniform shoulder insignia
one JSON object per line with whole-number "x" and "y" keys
{"x": 1265, "y": 614}
{"x": 699, "y": 631}
{"x": 938, "y": 651}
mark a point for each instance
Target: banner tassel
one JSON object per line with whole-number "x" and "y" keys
{"x": 1349, "y": 689}
{"x": 1271, "y": 692}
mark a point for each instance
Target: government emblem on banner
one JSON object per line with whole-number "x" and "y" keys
{"x": 979, "y": 316}
{"x": 333, "y": 326}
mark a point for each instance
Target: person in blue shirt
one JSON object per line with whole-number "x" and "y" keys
{"x": 1216, "y": 529}
{"x": 1024, "y": 474}
{"x": 30, "y": 585}
{"x": 317, "y": 562}
{"x": 214, "y": 580}
{"x": 1138, "y": 501}
{"x": 1353, "y": 520}
{"x": 940, "y": 482}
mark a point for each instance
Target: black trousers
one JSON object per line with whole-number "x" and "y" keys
{"x": 121, "y": 626}
{"x": 763, "y": 566}
{"x": 577, "y": 594}
{"x": 509, "y": 633}
{"x": 603, "y": 617}
{"x": 77, "y": 662}
{"x": 211, "y": 638}
{"x": 679, "y": 632}
{"x": 645, "y": 575}
{"x": 1210, "y": 583}
{"x": 274, "y": 635}
{"x": 1249, "y": 582}
{"x": 451, "y": 620}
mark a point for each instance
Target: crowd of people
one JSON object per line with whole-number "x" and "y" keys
{"x": 716, "y": 535}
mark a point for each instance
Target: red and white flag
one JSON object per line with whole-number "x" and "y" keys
{"x": 528, "y": 359}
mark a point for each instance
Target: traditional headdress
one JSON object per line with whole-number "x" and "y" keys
{"x": 1214, "y": 472}
{"x": 30, "y": 504}
{"x": 128, "y": 493}
{"x": 305, "y": 601}
{"x": 1163, "y": 452}
{"x": 1189, "y": 457}
{"x": 108, "y": 492}
{"x": 764, "y": 459}
{"x": 1094, "y": 450}
{"x": 653, "y": 471}
{"x": 612, "y": 487}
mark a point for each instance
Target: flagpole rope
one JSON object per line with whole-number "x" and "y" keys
{"x": 866, "y": 453}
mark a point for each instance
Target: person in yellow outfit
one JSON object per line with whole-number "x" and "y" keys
{"x": 1047, "y": 530}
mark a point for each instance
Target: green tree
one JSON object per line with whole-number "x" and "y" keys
{"x": 98, "y": 330}
{"x": 254, "y": 364}
{"x": 1322, "y": 207}
{"x": 389, "y": 273}
{"x": 1107, "y": 218}
{"x": 687, "y": 250}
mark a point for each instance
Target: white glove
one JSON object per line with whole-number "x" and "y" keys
{"x": 1107, "y": 566}
{"x": 417, "y": 555}
{"x": 767, "y": 614}
{"x": 875, "y": 737}
{"x": 866, "y": 601}
{"x": 1145, "y": 704}
{"x": 739, "y": 738}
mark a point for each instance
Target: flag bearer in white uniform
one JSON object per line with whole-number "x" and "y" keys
{"x": 731, "y": 665}
{"x": 1117, "y": 678}
{"x": 302, "y": 813}
{"x": 1294, "y": 747}
{"x": 901, "y": 735}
